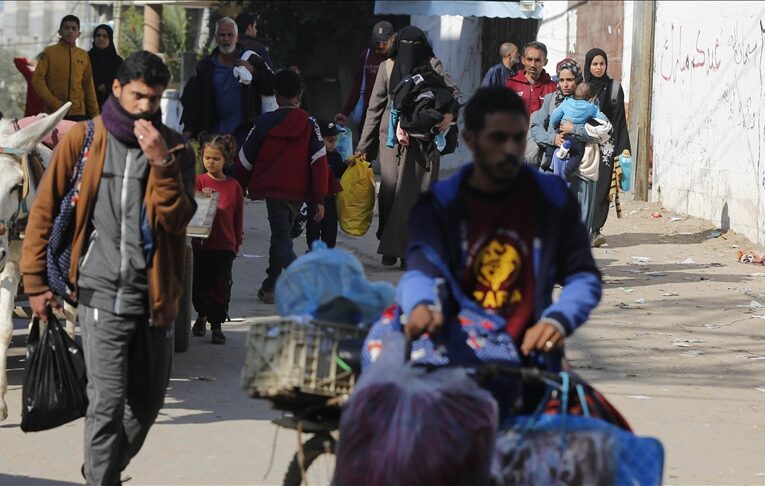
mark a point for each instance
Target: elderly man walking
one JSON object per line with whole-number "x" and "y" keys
{"x": 215, "y": 100}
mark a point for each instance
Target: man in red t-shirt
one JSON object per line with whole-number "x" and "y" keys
{"x": 533, "y": 83}
{"x": 508, "y": 234}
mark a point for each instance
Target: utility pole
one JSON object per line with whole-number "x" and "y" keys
{"x": 117, "y": 16}
{"x": 152, "y": 27}
{"x": 641, "y": 87}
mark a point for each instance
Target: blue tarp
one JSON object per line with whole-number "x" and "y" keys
{"x": 465, "y": 9}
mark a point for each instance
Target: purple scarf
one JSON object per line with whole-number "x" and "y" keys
{"x": 120, "y": 123}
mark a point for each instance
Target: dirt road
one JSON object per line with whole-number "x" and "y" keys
{"x": 675, "y": 344}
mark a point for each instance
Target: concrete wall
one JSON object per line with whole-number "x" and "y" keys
{"x": 571, "y": 28}
{"x": 708, "y": 112}
{"x": 556, "y": 30}
{"x": 456, "y": 42}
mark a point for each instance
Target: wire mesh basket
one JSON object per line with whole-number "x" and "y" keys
{"x": 285, "y": 356}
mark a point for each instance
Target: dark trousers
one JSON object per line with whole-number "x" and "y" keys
{"x": 212, "y": 284}
{"x": 128, "y": 364}
{"x": 602, "y": 203}
{"x": 326, "y": 229}
{"x": 281, "y": 217}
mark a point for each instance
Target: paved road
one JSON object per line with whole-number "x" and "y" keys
{"x": 680, "y": 367}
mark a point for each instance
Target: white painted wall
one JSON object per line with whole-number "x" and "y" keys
{"x": 31, "y": 26}
{"x": 708, "y": 112}
{"x": 456, "y": 42}
{"x": 556, "y": 31}
{"x": 627, "y": 25}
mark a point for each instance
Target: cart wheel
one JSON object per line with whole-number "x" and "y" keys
{"x": 183, "y": 321}
{"x": 318, "y": 462}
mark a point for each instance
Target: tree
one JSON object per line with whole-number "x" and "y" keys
{"x": 175, "y": 38}
{"x": 295, "y": 26}
{"x": 131, "y": 32}
{"x": 13, "y": 87}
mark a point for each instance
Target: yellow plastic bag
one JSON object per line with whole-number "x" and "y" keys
{"x": 356, "y": 202}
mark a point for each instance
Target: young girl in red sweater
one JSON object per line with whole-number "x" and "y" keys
{"x": 214, "y": 256}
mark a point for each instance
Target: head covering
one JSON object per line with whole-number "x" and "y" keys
{"x": 327, "y": 128}
{"x": 597, "y": 84}
{"x": 382, "y": 31}
{"x": 412, "y": 51}
{"x": 110, "y": 49}
{"x": 572, "y": 66}
{"x": 104, "y": 63}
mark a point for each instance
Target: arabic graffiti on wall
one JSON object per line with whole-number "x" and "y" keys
{"x": 708, "y": 111}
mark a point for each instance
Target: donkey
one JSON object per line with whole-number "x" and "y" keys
{"x": 17, "y": 191}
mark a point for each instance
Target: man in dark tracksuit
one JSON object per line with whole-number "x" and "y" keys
{"x": 136, "y": 198}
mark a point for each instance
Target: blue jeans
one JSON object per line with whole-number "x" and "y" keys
{"x": 584, "y": 190}
{"x": 281, "y": 217}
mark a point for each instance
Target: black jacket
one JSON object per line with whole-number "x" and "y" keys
{"x": 200, "y": 113}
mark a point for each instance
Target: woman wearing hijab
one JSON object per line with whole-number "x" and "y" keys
{"x": 405, "y": 172}
{"x": 105, "y": 62}
{"x": 596, "y": 65}
{"x": 544, "y": 135}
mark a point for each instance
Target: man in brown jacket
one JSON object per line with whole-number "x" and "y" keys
{"x": 136, "y": 198}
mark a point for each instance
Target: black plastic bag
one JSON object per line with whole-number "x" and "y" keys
{"x": 54, "y": 378}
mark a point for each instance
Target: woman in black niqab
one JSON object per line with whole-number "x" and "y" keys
{"x": 412, "y": 51}
{"x": 104, "y": 62}
{"x": 404, "y": 170}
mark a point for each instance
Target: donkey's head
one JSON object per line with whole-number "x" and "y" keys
{"x": 14, "y": 145}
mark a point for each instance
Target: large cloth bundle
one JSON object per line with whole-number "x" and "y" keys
{"x": 575, "y": 445}
{"x": 407, "y": 425}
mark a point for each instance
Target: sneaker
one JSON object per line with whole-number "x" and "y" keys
{"x": 267, "y": 296}
{"x": 598, "y": 240}
{"x": 200, "y": 326}
{"x": 218, "y": 337}
{"x": 388, "y": 261}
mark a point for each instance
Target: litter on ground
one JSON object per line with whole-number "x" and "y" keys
{"x": 751, "y": 305}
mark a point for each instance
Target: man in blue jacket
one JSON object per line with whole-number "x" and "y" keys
{"x": 507, "y": 233}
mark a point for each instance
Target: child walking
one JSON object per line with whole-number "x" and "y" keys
{"x": 326, "y": 229}
{"x": 214, "y": 256}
